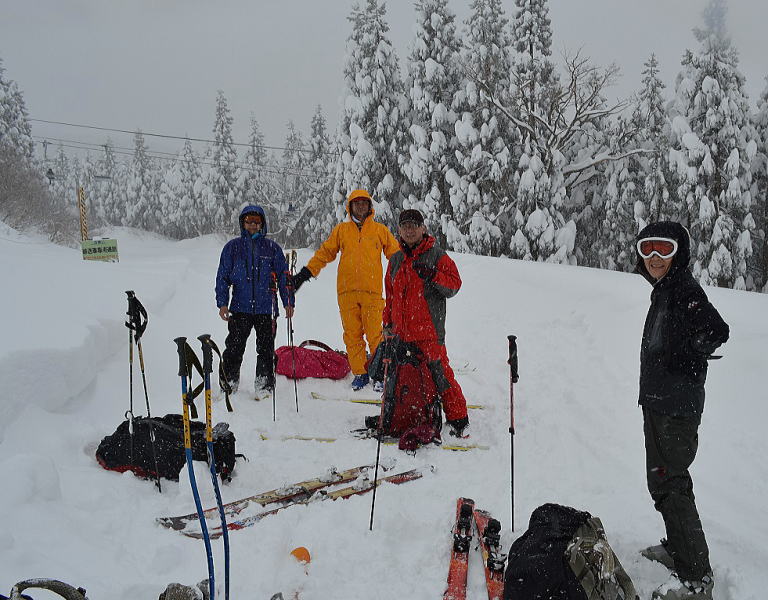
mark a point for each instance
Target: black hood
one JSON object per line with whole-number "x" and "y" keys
{"x": 667, "y": 229}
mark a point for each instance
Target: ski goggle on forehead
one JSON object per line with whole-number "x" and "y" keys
{"x": 661, "y": 247}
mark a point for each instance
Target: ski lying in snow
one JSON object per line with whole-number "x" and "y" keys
{"x": 302, "y": 489}
{"x": 365, "y": 434}
{"x": 369, "y": 401}
{"x": 353, "y": 490}
{"x": 489, "y": 535}
{"x": 462, "y": 539}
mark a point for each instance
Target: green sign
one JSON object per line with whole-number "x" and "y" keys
{"x": 105, "y": 250}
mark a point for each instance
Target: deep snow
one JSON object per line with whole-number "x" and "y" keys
{"x": 64, "y": 372}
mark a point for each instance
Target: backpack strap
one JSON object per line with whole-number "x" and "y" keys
{"x": 320, "y": 345}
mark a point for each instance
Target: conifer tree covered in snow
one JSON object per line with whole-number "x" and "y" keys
{"x": 434, "y": 76}
{"x": 253, "y": 181}
{"x": 649, "y": 120}
{"x": 141, "y": 202}
{"x": 713, "y": 144}
{"x": 481, "y": 186}
{"x": 633, "y": 188}
{"x": 371, "y": 128}
{"x": 286, "y": 210}
{"x": 758, "y": 266}
{"x": 15, "y": 132}
{"x": 222, "y": 199}
{"x": 319, "y": 211}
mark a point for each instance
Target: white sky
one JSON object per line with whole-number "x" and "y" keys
{"x": 157, "y": 65}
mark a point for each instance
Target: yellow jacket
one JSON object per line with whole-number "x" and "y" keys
{"x": 361, "y": 247}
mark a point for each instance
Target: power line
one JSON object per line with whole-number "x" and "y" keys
{"x": 176, "y": 137}
{"x": 175, "y": 157}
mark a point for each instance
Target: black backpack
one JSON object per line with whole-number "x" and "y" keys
{"x": 122, "y": 451}
{"x": 564, "y": 555}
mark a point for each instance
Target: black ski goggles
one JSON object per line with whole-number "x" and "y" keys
{"x": 660, "y": 246}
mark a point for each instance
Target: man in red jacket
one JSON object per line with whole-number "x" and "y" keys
{"x": 420, "y": 277}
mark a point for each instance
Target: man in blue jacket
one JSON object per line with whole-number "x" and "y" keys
{"x": 255, "y": 268}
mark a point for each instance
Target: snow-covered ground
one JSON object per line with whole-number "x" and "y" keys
{"x": 64, "y": 376}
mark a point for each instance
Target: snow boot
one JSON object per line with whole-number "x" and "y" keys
{"x": 681, "y": 589}
{"x": 378, "y": 386}
{"x": 177, "y": 591}
{"x": 660, "y": 554}
{"x": 359, "y": 382}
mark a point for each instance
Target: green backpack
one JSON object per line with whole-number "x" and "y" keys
{"x": 596, "y": 566}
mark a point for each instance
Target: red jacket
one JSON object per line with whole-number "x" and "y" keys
{"x": 415, "y": 309}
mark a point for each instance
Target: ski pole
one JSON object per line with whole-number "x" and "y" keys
{"x": 291, "y": 272}
{"x": 181, "y": 344}
{"x": 137, "y": 326}
{"x": 273, "y": 289}
{"x": 513, "y": 377}
{"x": 205, "y": 340}
{"x": 388, "y": 339}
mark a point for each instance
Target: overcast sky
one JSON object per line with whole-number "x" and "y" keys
{"x": 156, "y": 65}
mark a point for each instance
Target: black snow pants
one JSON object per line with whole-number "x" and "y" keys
{"x": 240, "y": 325}
{"x": 670, "y": 446}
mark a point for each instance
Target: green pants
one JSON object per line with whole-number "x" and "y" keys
{"x": 670, "y": 447}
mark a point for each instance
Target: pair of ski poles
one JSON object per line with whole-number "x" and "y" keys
{"x": 183, "y": 348}
{"x": 291, "y": 260}
{"x": 136, "y": 322}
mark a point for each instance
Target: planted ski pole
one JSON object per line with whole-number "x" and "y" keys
{"x": 273, "y": 289}
{"x": 384, "y": 416}
{"x": 207, "y": 349}
{"x": 137, "y": 323}
{"x": 181, "y": 345}
{"x": 291, "y": 273}
{"x": 513, "y": 377}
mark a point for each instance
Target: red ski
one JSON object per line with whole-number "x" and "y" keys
{"x": 462, "y": 539}
{"x": 489, "y": 532}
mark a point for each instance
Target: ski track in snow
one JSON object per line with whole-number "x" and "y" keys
{"x": 578, "y": 436}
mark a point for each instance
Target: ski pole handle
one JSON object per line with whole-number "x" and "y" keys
{"x": 513, "y": 358}
{"x": 205, "y": 340}
{"x": 181, "y": 343}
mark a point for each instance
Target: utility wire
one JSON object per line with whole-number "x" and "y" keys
{"x": 174, "y": 157}
{"x": 175, "y": 137}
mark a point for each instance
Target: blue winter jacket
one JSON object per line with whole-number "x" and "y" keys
{"x": 247, "y": 265}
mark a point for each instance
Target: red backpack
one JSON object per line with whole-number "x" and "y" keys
{"x": 300, "y": 362}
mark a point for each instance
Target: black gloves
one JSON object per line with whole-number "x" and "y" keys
{"x": 426, "y": 272}
{"x": 300, "y": 278}
{"x": 459, "y": 427}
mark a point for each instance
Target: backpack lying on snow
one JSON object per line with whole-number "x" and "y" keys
{"x": 300, "y": 362}
{"x": 122, "y": 451}
{"x": 564, "y": 555}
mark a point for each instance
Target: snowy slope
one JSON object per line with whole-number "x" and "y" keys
{"x": 64, "y": 372}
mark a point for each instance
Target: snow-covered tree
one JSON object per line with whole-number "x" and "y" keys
{"x": 223, "y": 174}
{"x": 713, "y": 144}
{"x": 481, "y": 186}
{"x": 434, "y": 76}
{"x": 371, "y": 127}
{"x": 254, "y": 181}
{"x": 141, "y": 203}
{"x": 287, "y": 210}
{"x": 758, "y": 266}
{"x": 319, "y": 211}
{"x": 15, "y": 131}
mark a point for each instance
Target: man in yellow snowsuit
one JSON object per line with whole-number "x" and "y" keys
{"x": 361, "y": 241}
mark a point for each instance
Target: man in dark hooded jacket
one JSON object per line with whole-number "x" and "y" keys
{"x": 682, "y": 330}
{"x": 255, "y": 268}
